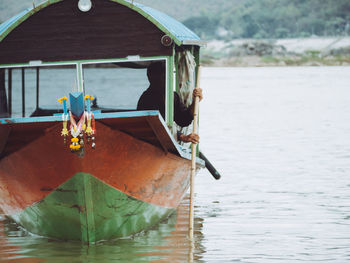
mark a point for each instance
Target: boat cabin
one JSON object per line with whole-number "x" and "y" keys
{"x": 98, "y": 53}
{"x": 99, "y": 47}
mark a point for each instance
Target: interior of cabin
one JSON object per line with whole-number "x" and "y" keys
{"x": 34, "y": 91}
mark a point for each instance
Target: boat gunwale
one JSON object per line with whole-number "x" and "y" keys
{"x": 181, "y": 151}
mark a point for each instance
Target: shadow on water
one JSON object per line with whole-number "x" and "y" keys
{"x": 165, "y": 242}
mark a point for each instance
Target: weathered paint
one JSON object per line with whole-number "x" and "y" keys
{"x": 15, "y": 21}
{"x": 58, "y": 29}
{"x": 159, "y": 127}
{"x": 85, "y": 208}
{"x": 176, "y": 30}
{"x": 134, "y": 167}
{"x": 170, "y": 92}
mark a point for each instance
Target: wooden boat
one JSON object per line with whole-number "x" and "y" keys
{"x": 138, "y": 173}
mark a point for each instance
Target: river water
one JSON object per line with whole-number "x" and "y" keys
{"x": 280, "y": 137}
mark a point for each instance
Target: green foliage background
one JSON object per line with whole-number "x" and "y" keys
{"x": 229, "y": 19}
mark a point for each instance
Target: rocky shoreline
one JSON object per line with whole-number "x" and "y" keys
{"x": 295, "y": 52}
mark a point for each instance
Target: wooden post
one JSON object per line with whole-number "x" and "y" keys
{"x": 9, "y": 85}
{"x": 193, "y": 164}
{"x": 3, "y": 97}
{"x": 37, "y": 88}
{"x": 23, "y": 94}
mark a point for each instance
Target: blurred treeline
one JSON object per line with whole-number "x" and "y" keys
{"x": 273, "y": 19}
{"x": 230, "y": 19}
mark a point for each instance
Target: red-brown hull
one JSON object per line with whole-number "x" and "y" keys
{"x": 134, "y": 167}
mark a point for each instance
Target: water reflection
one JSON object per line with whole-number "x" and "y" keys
{"x": 166, "y": 242}
{"x": 177, "y": 247}
{"x": 11, "y": 251}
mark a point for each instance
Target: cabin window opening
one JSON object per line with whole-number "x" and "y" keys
{"x": 115, "y": 86}
{"x": 54, "y": 83}
{"x": 19, "y": 82}
{"x": 4, "y": 108}
{"x": 34, "y": 91}
{"x": 156, "y": 96}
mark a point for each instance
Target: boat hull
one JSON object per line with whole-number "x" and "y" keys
{"x": 124, "y": 186}
{"x": 85, "y": 208}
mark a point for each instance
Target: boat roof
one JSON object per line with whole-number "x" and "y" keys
{"x": 170, "y": 26}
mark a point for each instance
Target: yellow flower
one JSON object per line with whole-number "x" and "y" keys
{"x": 62, "y": 99}
{"x": 88, "y": 97}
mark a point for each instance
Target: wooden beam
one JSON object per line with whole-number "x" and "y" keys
{"x": 3, "y": 97}
{"x": 23, "y": 94}
{"x": 9, "y": 85}
{"x": 37, "y": 87}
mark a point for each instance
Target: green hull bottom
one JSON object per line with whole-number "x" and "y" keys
{"x": 84, "y": 208}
